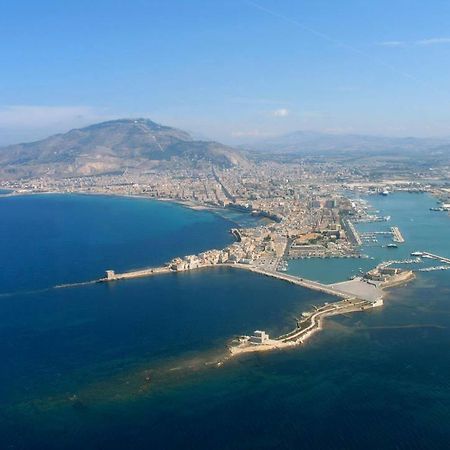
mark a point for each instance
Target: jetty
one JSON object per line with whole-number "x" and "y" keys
{"x": 442, "y": 259}
{"x": 310, "y": 324}
{"x": 359, "y": 286}
{"x": 359, "y": 294}
{"x": 397, "y": 235}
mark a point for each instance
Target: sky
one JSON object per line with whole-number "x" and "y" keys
{"x": 233, "y": 70}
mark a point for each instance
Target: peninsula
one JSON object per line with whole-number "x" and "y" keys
{"x": 359, "y": 294}
{"x": 310, "y": 205}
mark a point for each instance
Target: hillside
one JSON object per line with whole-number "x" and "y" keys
{"x": 112, "y": 146}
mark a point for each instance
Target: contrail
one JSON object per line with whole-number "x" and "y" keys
{"x": 332, "y": 40}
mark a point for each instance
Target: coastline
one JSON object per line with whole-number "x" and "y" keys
{"x": 314, "y": 322}
{"x": 189, "y": 204}
{"x": 311, "y": 323}
{"x": 316, "y": 325}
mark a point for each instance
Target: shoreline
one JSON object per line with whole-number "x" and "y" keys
{"x": 301, "y": 336}
{"x": 313, "y": 322}
{"x": 188, "y": 204}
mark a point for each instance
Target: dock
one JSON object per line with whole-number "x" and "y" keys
{"x": 358, "y": 286}
{"x": 347, "y": 289}
{"x": 359, "y": 294}
{"x": 442, "y": 259}
{"x": 397, "y": 235}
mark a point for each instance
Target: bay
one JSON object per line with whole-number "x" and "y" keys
{"x": 75, "y": 361}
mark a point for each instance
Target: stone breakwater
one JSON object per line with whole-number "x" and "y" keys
{"x": 308, "y": 326}
{"x": 356, "y": 295}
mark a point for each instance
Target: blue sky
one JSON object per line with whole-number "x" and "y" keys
{"x": 231, "y": 70}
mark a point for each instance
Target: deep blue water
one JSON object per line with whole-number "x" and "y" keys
{"x": 52, "y": 239}
{"x": 372, "y": 380}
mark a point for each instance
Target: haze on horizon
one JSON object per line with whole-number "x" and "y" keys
{"x": 232, "y": 71}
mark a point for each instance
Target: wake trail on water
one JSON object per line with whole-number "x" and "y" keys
{"x": 47, "y": 289}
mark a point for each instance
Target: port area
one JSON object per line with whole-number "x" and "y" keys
{"x": 427, "y": 255}
{"x": 367, "y": 290}
{"x": 359, "y": 294}
{"x": 371, "y": 237}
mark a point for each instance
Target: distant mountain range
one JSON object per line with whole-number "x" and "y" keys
{"x": 111, "y": 147}
{"x": 308, "y": 143}
{"x": 117, "y": 145}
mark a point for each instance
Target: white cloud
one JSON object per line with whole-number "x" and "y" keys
{"x": 434, "y": 41}
{"x": 419, "y": 42}
{"x": 392, "y": 43}
{"x": 282, "y": 112}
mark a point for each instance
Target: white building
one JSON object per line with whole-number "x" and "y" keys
{"x": 259, "y": 337}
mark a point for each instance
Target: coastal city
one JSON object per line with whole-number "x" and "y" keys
{"x": 224, "y": 225}
{"x": 301, "y": 211}
{"x": 306, "y": 210}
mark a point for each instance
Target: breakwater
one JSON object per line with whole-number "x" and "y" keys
{"x": 310, "y": 284}
{"x": 309, "y": 325}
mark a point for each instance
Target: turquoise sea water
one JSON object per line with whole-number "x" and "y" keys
{"x": 75, "y": 361}
{"x": 423, "y": 230}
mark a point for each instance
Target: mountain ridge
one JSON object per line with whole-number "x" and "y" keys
{"x": 112, "y": 146}
{"x": 309, "y": 142}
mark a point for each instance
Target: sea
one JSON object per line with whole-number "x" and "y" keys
{"x": 137, "y": 364}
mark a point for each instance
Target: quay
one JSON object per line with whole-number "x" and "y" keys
{"x": 359, "y": 294}
{"x": 433, "y": 269}
{"x": 111, "y": 275}
{"x": 437, "y": 257}
{"x": 365, "y": 291}
{"x": 353, "y": 233}
{"x": 397, "y": 235}
{"x": 343, "y": 290}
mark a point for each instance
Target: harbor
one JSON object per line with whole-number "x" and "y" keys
{"x": 362, "y": 292}
{"x": 359, "y": 294}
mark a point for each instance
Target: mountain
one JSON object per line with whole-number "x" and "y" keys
{"x": 305, "y": 142}
{"x": 113, "y": 146}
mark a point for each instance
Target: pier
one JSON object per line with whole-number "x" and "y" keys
{"x": 362, "y": 289}
{"x": 434, "y": 268}
{"x": 359, "y": 287}
{"x": 436, "y": 257}
{"x": 352, "y": 232}
{"x": 397, "y": 235}
{"x": 359, "y": 294}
